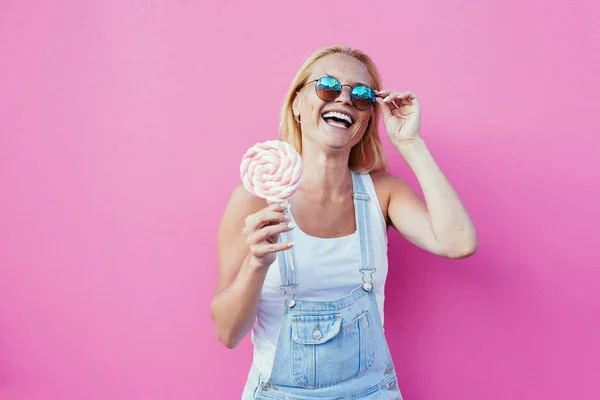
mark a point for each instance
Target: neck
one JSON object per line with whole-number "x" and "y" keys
{"x": 326, "y": 176}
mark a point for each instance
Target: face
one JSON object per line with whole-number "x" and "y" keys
{"x": 321, "y": 121}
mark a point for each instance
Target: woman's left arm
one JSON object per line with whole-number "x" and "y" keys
{"x": 441, "y": 224}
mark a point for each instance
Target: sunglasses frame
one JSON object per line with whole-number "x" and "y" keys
{"x": 341, "y": 88}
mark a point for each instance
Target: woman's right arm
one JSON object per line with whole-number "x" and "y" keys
{"x": 247, "y": 246}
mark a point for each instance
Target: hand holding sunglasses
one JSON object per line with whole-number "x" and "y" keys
{"x": 401, "y": 115}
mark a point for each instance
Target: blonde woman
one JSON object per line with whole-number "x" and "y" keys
{"x": 317, "y": 317}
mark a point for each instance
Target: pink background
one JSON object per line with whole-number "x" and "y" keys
{"x": 122, "y": 124}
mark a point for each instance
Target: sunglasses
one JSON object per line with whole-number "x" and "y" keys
{"x": 329, "y": 89}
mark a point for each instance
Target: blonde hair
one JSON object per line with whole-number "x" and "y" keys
{"x": 367, "y": 155}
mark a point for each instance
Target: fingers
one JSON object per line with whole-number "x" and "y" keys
{"x": 263, "y": 228}
{"x": 387, "y": 92}
{"x": 389, "y": 96}
{"x": 272, "y": 214}
{"x": 267, "y": 232}
{"x": 261, "y": 250}
{"x": 384, "y": 92}
{"x": 385, "y": 108}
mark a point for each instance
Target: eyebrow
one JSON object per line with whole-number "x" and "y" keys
{"x": 352, "y": 83}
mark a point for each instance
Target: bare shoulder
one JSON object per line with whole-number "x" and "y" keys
{"x": 385, "y": 184}
{"x": 241, "y": 203}
{"x": 385, "y": 178}
{"x": 388, "y": 183}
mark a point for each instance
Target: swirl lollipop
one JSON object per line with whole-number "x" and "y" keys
{"x": 271, "y": 170}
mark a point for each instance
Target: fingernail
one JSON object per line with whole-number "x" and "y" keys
{"x": 290, "y": 244}
{"x": 291, "y": 226}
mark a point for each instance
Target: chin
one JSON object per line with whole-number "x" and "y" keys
{"x": 336, "y": 139}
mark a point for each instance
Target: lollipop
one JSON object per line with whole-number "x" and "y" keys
{"x": 271, "y": 170}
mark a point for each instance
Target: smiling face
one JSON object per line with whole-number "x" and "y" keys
{"x": 336, "y": 124}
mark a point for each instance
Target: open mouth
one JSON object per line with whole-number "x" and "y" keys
{"x": 338, "y": 119}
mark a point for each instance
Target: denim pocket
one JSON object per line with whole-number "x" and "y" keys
{"x": 327, "y": 351}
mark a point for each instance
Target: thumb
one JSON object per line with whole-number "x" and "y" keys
{"x": 385, "y": 108}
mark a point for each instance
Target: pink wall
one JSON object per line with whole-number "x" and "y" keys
{"x": 122, "y": 124}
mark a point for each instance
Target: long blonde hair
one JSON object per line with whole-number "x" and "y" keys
{"x": 367, "y": 155}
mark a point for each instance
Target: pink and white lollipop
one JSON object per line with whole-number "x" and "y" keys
{"x": 271, "y": 170}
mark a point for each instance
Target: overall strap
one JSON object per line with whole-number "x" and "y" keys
{"x": 361, "y": 203}
{"x": 286, "y": 269}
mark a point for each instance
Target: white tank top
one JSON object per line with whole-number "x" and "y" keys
{"x": 325, "y": 269}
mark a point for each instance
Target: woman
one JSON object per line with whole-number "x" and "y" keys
{"x": 316, "y": 310}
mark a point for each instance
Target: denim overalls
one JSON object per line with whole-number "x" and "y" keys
{"x": 330, "y": 349}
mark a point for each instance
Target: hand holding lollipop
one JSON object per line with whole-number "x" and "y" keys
{"x": 272, "y": 171}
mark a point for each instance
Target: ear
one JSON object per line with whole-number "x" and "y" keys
{"x": 296, "y": 106}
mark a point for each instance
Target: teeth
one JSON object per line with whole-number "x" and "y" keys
{"x": 338, "y": 115}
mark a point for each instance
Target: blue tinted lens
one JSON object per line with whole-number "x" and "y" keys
{"x": 328, "y": 88}
{"x": 328, "y": 82}
{"x": 363, "y": 97}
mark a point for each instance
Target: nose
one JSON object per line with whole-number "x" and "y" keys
{"x": 344, "y": 96}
